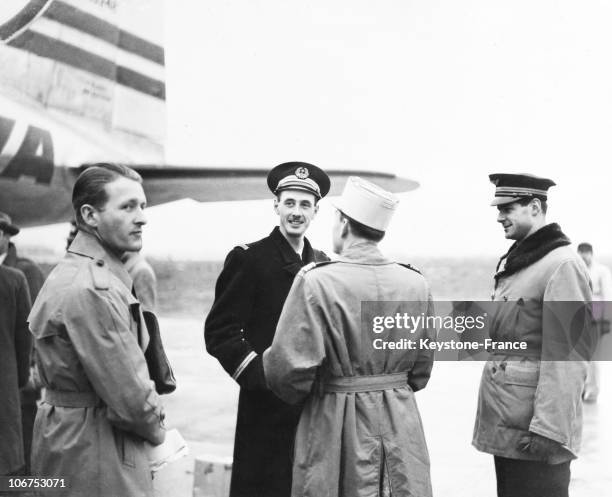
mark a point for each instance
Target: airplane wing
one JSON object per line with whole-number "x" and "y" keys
{"x": 35, "y": 204}
{"x": 165, "y": 184}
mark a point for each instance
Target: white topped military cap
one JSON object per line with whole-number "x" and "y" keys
{"x": 367, "y": 203}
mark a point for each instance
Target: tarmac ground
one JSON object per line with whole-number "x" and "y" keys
{"x": 203, "y": 408}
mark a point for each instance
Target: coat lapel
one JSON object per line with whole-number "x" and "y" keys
{"x": 88, "y": 245}
{"x": 292, "y": 263}
{"x": 11, "y": 256}
{"x": 531, "y": 249}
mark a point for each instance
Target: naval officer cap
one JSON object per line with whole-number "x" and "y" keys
{"x": 367, "y": 203}
{"x": 514, "y": 187}
{"x": 299, "y": 176}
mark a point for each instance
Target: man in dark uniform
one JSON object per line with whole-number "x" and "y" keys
{"x": 249, "y": 298}
{"x": 34, "y": 276}
{"x": 15, "y": 346}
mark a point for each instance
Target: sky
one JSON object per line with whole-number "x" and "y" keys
{"x": 440, "y": 91}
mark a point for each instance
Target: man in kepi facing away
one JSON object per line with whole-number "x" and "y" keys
{"x": 249, "y": 297}
{"x": 529, "y": 408}
{"x": 360, "y": 432}
{"x": 99, "y": 405}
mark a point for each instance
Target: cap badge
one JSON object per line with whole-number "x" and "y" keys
{"x": 302, "y": 172}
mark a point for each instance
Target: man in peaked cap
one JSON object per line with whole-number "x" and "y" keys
{"x": 249, "y": 297}
{"x": 360, "y": 432}
{"x": 529, "y": 413}
{"x": 35, "y": 278}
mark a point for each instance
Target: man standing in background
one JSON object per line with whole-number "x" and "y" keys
{"x": 249, "y": 296}
{"x": 30, "y": 393}
{"x": 529, "y": 405}
{"x": 10, "y": 258}
{"x": 15, "y": 348}
{"x": 602, "y": 292}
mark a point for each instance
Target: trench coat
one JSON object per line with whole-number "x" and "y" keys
{"x": 360, "y": 432}
{"x": 15, "y": 346}
{"x": 99, "y": 405}
{"x": 520, "y": 393}
{"x": 249, "y": 296}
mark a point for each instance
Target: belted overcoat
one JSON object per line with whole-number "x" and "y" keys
{"x": 360, "y": 433}
{"x": 99, "y": 405}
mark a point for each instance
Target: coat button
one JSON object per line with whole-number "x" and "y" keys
{"x": 493, "y": 370}
{"x": 100, "y": 262}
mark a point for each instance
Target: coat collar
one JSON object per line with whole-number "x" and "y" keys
{"x": 291, "y": 260}
{"x": 11, "y": 256}
{"x": 88, "y": 245}
{"x": 363, "y": 252}
{"x": 530, "y": 250}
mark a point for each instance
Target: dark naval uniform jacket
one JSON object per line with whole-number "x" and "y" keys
{"x": 249, "y": 297}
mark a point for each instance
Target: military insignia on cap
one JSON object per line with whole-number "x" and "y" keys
{"x": 302, "y": 172}
{"x": 298, "y": 176}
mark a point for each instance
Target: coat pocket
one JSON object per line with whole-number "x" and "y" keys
{"x": 520, "y": 383}
{"x": 126, "y": 448}
{"x": 505, "y": 322}
{"x": 522, "y": 375}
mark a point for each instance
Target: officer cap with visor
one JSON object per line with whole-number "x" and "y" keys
{"x": 299, "y": 176}
{"x": 514, "y": 187}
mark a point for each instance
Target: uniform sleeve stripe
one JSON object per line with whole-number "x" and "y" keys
{"x": 247, "y": 360}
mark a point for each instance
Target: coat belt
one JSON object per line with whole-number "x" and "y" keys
{"x": 366, "y": 383}
{"x": 61, "y": 398}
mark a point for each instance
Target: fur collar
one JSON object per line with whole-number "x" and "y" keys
{"x": 531, "y": 249}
